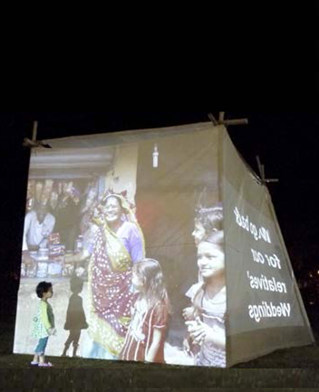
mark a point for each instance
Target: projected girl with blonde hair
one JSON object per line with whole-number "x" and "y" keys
{"x": 146, "y": 335}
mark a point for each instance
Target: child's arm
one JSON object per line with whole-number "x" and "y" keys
{"x": 159, "y": 324}
{"x": 152, "y": 351}
{"x": 200, "y": 332}
{"x": 44, "y": 315}
{"x": 188, "y": 346}
{"x": 216, "y": 336}
{"x": 188, "y": 313}
{"x": 83, "y": 255}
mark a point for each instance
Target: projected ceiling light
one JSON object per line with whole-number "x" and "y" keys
{"x": 155, "y": 156}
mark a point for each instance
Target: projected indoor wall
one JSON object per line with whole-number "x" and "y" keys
{"x": 128, "y": 228}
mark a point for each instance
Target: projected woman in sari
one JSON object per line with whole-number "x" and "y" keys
{"x": 118, "y": 244}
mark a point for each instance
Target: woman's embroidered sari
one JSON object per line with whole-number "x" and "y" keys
{"x": 109, "y": 283}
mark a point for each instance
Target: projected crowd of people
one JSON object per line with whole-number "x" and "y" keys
{"x": 129, "y": 307}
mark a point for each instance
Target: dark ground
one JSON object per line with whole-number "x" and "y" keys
{"x": 285, "y": 369}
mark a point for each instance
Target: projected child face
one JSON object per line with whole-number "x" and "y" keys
{"x": 113, "y": 210}
{"x": 198, "y": 233}
{"x": 210, "y": 259}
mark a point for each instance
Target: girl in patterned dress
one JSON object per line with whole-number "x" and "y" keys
{"x": 146, "y": 334}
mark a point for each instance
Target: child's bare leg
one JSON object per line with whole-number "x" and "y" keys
{"x": 41, "y": 358}
{"x": 36, "y": 358}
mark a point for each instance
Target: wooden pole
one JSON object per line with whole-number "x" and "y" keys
{"x": 263, "y": 172}
{"x": 212, "y": 119}
{"x": 259, "y": 165}
{"x": 261, "y": 169}
{"x": 34, "y": 131}
{"x": 222, "y": 121}
{"x": 241, "y": 121}
{"x": 271, "y": 180}
{"x": 34, "y": 142}
{"x": 221, "y": 117}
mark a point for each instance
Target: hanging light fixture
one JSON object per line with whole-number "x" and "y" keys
{"x": 155, "y": 156}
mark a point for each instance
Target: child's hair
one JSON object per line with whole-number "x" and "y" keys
{"x": 210, "y": 218}
{"x": 43, "y": 287}
{"x": 150, "y": 271}
{"x": 76, "y": 284}
{"x": 216, "y": 238}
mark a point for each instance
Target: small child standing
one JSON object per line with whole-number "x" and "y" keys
{"x": 43, "y": 323}
{"x": 147, "y": 331}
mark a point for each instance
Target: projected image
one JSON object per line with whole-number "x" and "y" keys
{"x": 57, "y": 224}
{"x": 133, "y": 247}
{"x": 205, "y": 318}
{"x": 146, "y": 334}
{"x": 118, "y": 244}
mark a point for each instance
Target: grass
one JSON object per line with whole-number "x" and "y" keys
{"x": 296, "y": 357}
{"x": 288, "y": 368}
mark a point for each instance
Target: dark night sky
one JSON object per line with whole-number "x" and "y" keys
{"x": 287, "y": 144}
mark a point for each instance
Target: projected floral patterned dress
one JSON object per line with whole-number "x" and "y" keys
{"x": 110, "y": 276}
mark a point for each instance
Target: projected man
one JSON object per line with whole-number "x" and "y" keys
{"x": 68, "y": 215}
{"x": 118, "y": 243}
{"x": 38, "y": 225}
{"x": 88, "y": 230}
